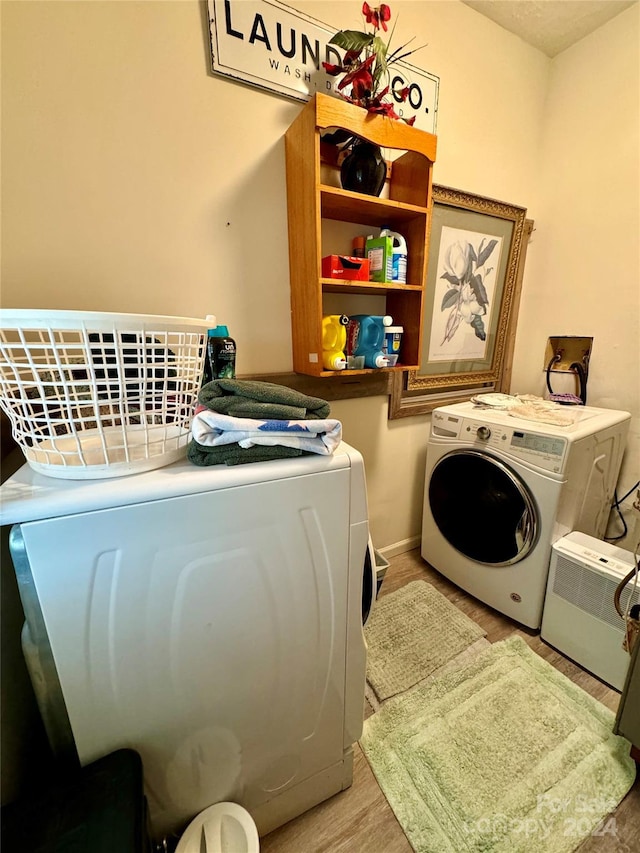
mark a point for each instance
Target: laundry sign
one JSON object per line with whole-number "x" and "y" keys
{"x": 270, "y": 45}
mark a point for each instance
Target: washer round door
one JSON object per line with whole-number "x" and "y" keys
{"x": 483, "y": 508}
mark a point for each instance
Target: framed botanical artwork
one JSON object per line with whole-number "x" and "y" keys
{"x": 476, "y": 261}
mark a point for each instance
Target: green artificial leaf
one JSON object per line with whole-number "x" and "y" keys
{"x": 352, "y": 40}
{"x": 478, "y": 327}
{"x": 450, "y": 298}
{"x": 479, "y": 290}
{"x": 379, "y": 48}
{"x": 484, "y": 253}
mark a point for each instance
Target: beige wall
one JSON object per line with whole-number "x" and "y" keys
{"x": 133, "y": 180}
{"x": 583, "y": 277}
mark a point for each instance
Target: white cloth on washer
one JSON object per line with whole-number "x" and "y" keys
{"x": 528, "y": 407}
{"x": 494, "y": 400}
{"x": 558, "y": 416}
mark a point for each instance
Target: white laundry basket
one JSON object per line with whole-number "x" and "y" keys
{"x": 92, "y": 395}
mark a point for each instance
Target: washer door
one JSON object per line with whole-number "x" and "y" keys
{"x": 483, "y": 508}
{"x": 369, "y": 582}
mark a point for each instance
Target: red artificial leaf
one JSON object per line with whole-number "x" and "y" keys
{"x": 384, "y": 109}
{"x": 362, "y": 84}
{"x": 358, "y": 72}
{"x": 351, "y": 57}
{"x": 376, "y": 100}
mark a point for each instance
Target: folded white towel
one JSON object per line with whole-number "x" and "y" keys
{"x": 213, "y": 429}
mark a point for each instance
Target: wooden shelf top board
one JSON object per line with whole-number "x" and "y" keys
{"x": 384, "y": 131}
{"x": 395, "y": 369}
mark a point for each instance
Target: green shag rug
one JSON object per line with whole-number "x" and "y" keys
{"x": 411, "y": 633}
{"x": 505, "y": 755}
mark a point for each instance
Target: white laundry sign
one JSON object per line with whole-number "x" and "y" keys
{"x": 267, "y": 44}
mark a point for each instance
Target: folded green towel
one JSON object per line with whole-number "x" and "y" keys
{"x": 247, "y": 398}
{"x": 233, "y": 454}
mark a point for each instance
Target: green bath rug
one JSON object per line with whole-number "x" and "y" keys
{"x": 503, "y": 755}
{"x": 411, "y": 633}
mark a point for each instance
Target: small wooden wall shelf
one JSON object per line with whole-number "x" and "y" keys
{"x": 310, "y": 201}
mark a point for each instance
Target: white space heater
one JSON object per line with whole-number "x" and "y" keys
{"x": 579, "y": 617}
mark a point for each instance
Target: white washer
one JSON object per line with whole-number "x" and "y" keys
{"x": 500, "y": 490}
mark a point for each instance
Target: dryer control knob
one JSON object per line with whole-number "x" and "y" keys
{"x": 483, "y": 433}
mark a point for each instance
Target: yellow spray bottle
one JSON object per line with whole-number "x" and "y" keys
{"x": 334, "y": 339}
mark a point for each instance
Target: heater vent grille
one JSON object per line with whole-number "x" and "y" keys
{"x": 591, "y": 591}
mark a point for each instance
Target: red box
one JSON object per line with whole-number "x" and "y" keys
{"x": 345, "y": 267}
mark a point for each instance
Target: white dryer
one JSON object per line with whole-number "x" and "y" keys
{"x": 210, "y": 618}
{"x": 500, "y": 490}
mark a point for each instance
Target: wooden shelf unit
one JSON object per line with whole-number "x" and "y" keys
{"x": 310, "y": 201}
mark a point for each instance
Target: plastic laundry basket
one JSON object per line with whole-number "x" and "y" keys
{"x": 93, "y": 395}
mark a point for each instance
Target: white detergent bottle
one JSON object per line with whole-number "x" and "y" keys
{"x": 399, "y": 274}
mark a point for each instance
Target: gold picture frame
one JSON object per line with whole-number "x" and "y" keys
{"x": 466, "y": 229}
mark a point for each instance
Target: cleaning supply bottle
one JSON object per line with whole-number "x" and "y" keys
{"x": 379, "y": 251}
{"x": 220, "y": 358}
{"x": 359, "y": 246}
{"x": 392, "y": 339}
{"x": 365, "y": 337}
{"x": 399, "y": 256}
{"x": 334, "y": 339}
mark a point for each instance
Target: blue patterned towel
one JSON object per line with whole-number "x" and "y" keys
{"x": 212, "y": 429}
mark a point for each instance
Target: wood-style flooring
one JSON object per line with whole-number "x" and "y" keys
{"x": 360, "y": 819}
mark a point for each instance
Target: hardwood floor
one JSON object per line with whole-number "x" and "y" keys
{"x": 360, "y": 819}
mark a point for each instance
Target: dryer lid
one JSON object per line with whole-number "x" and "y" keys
{"x": 30, "y": 496}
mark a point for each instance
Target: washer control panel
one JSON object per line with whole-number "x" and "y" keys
{"x": 545, "y": 451}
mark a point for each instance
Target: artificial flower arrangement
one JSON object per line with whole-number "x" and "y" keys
{"x": 365, "y": 83}
{"x": 366, "y": 64}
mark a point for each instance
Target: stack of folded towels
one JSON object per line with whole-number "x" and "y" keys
{"x": 239, "y": 421}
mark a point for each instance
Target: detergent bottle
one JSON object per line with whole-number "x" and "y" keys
{"x": 365, "y": 337}
{"x": 220, "y": 358}
{"x": 334, "y": 339}
{"x": 399, "y": 258}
